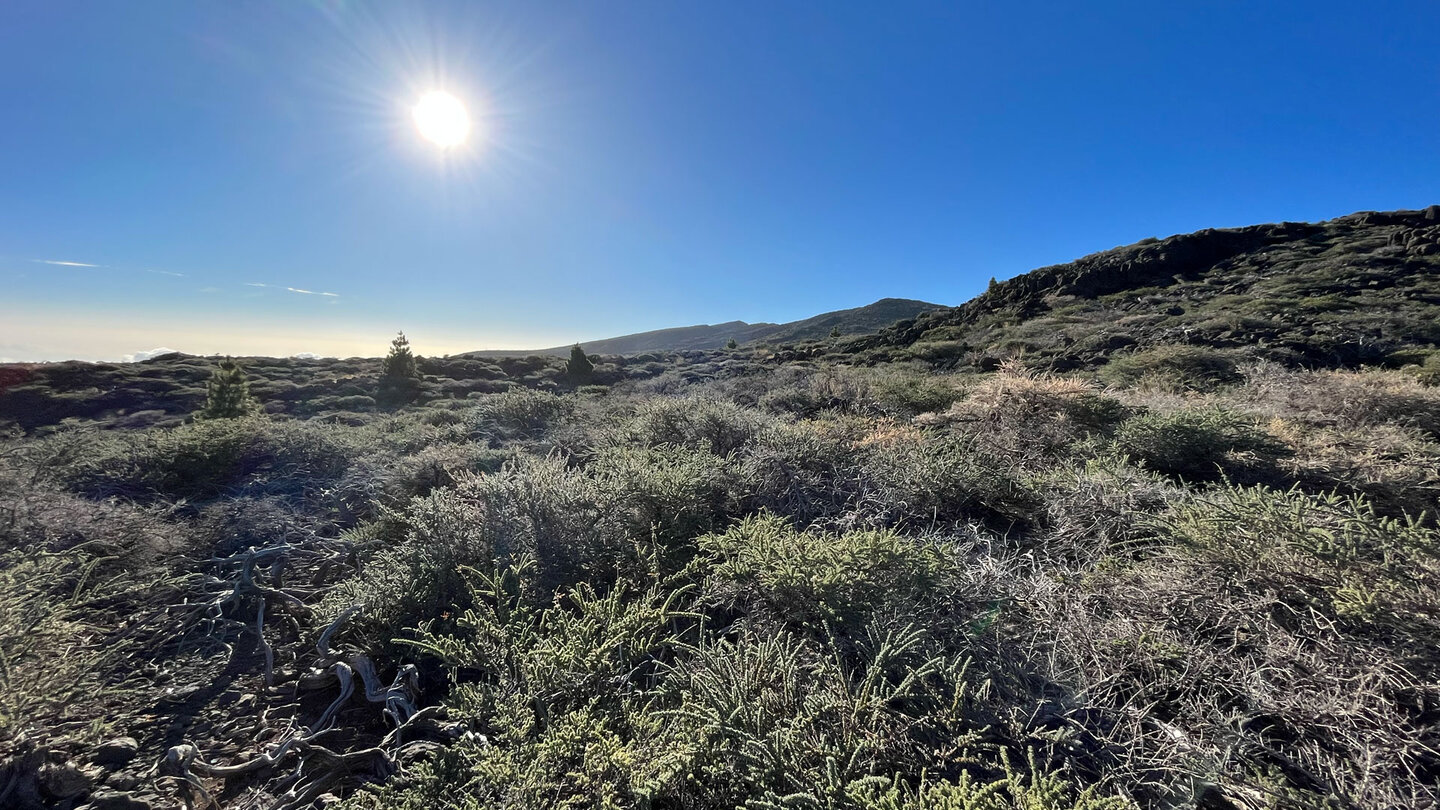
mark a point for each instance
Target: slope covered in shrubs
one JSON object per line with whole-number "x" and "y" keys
{"x": 821, "y": 586}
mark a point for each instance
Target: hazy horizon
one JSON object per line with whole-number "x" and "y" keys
{"x": 221, "y": 180}
{"x": 284, "y": 340}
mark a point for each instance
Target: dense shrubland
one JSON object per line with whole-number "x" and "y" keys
{"x": 803, "y": 585}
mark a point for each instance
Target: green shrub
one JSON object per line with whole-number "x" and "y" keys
{"x": 533, "y": 507}
{"x": 399, "y": 377}
{"x": 519, "y": 412}
{"x": 814, "y": 392}
{"x": 807, "y": 471}
{"x": 1428, "y": 371}
{"x": 666, "y": 495}
{"x": 1178, "y": 368}
{"x": 909, "y": 394}
{"x": 811, "y": 579}
{"x": 358, "y": 402}
{"x": 210, "y": 458}
{"x": 565, "y": 735}
{"x": 1033, "y": 414}
{"x": 228, "y": 393}
{"x": 701, "y": 423}
{"x": 939, "y": 351}
{"x": 580, "y": 366}
{"x": 1020, "y": 789}
{"x": 928, "y": 479}
{"x": 772, "y": 720}
{"x": 51, "y": 668}
{"x": 1365, "y": 568}
{"x": 1100, "y": 507}
{"x": 1197, "y": 443}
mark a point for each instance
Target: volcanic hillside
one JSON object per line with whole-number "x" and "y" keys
{"x": 1358, "y": 290}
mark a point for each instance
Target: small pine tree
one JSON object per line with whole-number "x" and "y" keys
{"x": 227, "y": 393}
{"x": 399, "y": 381}
{"x": 731, "y": 344}
{"x": 400, "y": 362}
{"x": 580, "y": 366}
{"x": 835, "y": 332}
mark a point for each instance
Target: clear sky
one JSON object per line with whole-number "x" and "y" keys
{"x": 245, "y": 177}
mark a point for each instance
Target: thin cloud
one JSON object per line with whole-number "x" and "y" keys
{"x": 59, "y": 263}
{"x": 291, "y": 289}
{"x": 67, "y": 264}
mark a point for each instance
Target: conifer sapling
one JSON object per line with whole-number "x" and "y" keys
{"x": 399, "y": 377}
{"x": 227, "y": 393}
{"x": 580, "y": 365}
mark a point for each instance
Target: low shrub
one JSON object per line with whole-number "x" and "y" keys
{"x": 666, "y": 496}
{"x": 1336, "y": 550}
{"x": 939, "y": 352}
{"x": 810, "y": 391}
{"x": 1173, "y": 368}
{"x": 358, "y": 402}
{"x": 1194, "y": 443}
{"x": 1428, "y": 370}
{"x": 40, "y": 689}
{"x": 919, "y": 479}
{"x": 910, "y": 393}
{"x": 813, "y": 579}
{"x": 808, "y": 471}
{"x": 1099, "y": 508}
{"x": 1042, "y": 411}
{"x": 207, "y": 459}
{"x": 703, "y": 423}
{"x": 518, "y": 412}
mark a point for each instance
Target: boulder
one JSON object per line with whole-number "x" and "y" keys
{"x": 116, "y": 752}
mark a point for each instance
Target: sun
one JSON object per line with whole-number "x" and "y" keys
{"x": 442, "y": 119}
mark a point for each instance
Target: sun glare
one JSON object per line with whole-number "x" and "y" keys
{"x": 442, "y": 119}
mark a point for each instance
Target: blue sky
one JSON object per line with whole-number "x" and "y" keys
{"x": 653, "y": 164}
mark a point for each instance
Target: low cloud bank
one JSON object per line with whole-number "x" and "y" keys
{"x": 139, "y": 356}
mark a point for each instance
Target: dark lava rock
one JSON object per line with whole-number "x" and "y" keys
{"x": 113, "y": 800}
{"x": 116, "y": 752}
{"x": 63, "y": 780}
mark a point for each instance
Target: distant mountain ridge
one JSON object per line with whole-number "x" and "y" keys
{"x": 857, "y": 321}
